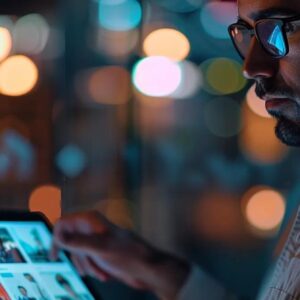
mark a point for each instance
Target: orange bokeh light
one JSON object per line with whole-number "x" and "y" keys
{"x": 258, "y": 140}
{"x": 167, "y": 42}
{"x": 46, "y": 199}
{"x": 5, "y": 43}
{"x": 18, "y": 75}
{"x": 110, "y": 85}
{"x": 256, "y": 104}
{"x": 264, "y": 209}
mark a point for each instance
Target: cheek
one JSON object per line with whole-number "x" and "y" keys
{"x": 289, "y": 69}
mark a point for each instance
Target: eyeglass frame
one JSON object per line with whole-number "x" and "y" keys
{"x": 253, "y": 32}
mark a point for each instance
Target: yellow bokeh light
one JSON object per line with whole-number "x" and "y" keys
{"x": 223, "y": 76}
{"x": 256, "y": 104}
{"x": 47, "y": 200}
{"x": 18, "y": 75}
{"x": 5, "y": 43}
{"x": 167, "y": 42}
{"x": 264, "y": 209}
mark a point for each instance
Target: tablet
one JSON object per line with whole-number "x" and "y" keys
{"x": 26, "y": 273}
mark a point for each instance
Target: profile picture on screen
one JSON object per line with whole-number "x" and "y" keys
{"x": 35, "y": 242}
{"x": 9, "y": 252}
{"x": 38, "y": 290}
{"x": 24, "y": 295}
{"x": 24, "y": 286}
{"x": 66, "y": 286}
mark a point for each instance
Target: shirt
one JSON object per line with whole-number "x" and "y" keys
{"x": 283, "y": 283}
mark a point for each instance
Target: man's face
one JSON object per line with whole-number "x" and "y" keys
{"x": 277, "y": 80}
{"x": 29, "y": 277}
{"x": 23, "y": 291}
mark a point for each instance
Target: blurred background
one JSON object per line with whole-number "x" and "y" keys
{"x": 139, "y": 109}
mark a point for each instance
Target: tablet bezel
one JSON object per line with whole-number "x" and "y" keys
{"x": 23, "y": 216}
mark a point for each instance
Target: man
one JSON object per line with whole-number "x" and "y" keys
{"x": 271, "y": 56}
{"x": 24, "y": 294}
{"x": 67, "y": 286}
{"x": 35, "y": 287}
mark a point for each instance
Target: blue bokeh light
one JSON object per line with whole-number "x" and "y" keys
{"x": 19, "y": 149}
{"x": 122, "y": 16}
{"x": 71, "y": 160}
{"x": 215, "y": 18}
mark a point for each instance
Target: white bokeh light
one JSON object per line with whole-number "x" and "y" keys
{"x": 157, "y": 76}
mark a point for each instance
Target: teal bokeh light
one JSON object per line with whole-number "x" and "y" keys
{"x": 215, "y": 18}
{"x": 120, "y": 16}
{"x": 71, "y": 160}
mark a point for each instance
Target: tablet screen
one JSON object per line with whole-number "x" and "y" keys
{"x": 26, "y": 273}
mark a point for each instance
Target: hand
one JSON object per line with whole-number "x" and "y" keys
{"x": 103, "y": 250}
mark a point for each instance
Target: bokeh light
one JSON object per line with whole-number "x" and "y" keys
{"x": 117, "y": 211}
{"x": 31, "y": 34}
{"x": 167, "y": 42}
{"x": 18, "y": 75}
{"x": 109, "y": 85}
{"x": 46, "y": 199}
{"x": 222, "y": 117}
{"x": 217, "y": 16}
{"x": 191, "y": 80}
{"x": 7, "y": 22}
{"x": 71, "y": 160}
{"x": 5, "y": 43}
{"x": 120, "y": 16}
{"x": 256, "y": 104}
{"x": 221, "y": 209}
{"x": 222, "y": 76}
{"x": 157, "y": 76}
{"x": 264, "y": 209}
{"x": 257, "y": 139}
{"x": 116, "y": 44}
{"x": 20, "y": 153}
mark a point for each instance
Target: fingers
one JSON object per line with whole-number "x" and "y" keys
{"x": 95, "y": 271}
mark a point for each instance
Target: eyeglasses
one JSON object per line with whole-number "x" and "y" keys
{"x": 272, "y": 34}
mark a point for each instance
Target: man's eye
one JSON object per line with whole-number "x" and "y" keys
{"x": 292, "y": 28}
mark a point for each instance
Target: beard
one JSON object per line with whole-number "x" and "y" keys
{"x": 287, "y": 128}
{"x": 288, "y": 132}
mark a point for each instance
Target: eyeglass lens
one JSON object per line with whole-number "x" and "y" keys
{"x": 271, "y": 36}
{"x": 242, "y": 38}
{"x": 269, "y": 33}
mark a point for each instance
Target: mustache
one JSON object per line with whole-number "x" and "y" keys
{"x": 264, "y": 88}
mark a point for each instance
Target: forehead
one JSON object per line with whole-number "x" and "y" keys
{"x": 253, "y": 9}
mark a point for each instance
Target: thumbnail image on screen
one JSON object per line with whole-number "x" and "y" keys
{"x": 24, "y": 286}
{"x": 66, "y": 286}
{"x": 9, "y": 252}
{"x": 27, "y": 273}
{"x": 35, "y": 241}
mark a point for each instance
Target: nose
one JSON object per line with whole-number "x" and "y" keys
{"x": 258, "y": 63}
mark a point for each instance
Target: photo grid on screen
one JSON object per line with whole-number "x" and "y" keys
{"x": 27, "y": 273}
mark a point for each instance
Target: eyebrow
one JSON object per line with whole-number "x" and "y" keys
{"x": 272, "y": 12}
